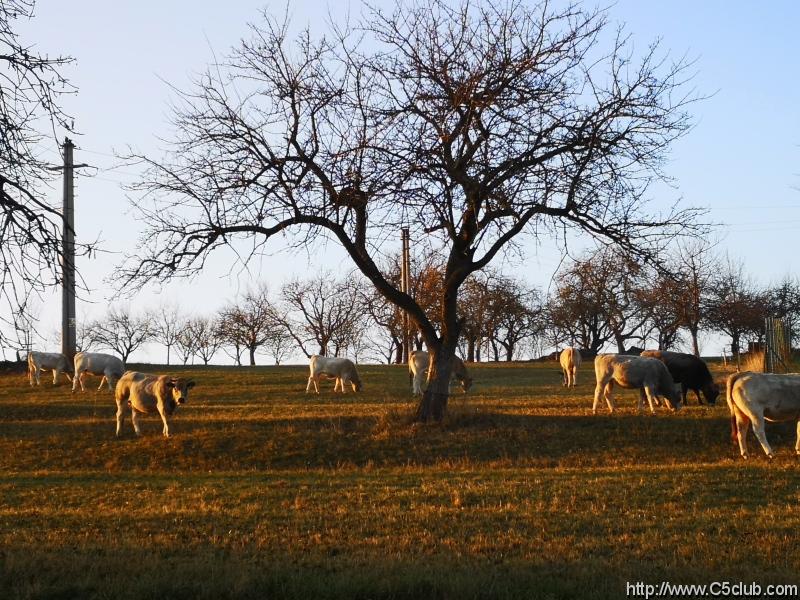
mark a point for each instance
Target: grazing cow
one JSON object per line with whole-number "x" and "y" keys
{"x": 341, "y": 369}
{"x": 570, "y": 359}
{"x": 418, "y": 362}
{"x": 690, "y": 371}
{"x": 109, "y": 367}
{"x": 758, "y": 397}
{"x": 649, "y": 375}
{"x": 145, "y": 393}
{"x": 45, "y": 361}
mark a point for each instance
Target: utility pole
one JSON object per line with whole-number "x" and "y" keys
{"x": 405, "y": 286}
{"x": 68, "y": 337}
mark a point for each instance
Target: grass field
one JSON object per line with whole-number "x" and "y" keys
{"x": 266, "y": 492}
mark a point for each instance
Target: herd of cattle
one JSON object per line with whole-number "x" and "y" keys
{"x": 753, "y": 398}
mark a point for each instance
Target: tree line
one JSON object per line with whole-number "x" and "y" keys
{"x": 600, "y": 301}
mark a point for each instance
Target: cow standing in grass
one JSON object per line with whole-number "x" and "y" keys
{"x": 46, "y": 361}
{"x": 649, "y": 375}
{"x": 418, "y": 362}
{"x": 343, "y": 370}
{"x": 145, "y": 393}
{"x": 759, "y": 397}
{"x": 690, "y": 371}
{"x": 570, "y": 360}
{"x": 108, "y": 367}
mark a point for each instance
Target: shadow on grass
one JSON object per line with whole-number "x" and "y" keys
{"x": 211, "y": 574}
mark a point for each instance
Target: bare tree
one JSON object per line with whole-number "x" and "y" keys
{"x": 205, "y": 337}
{"x": 693, "y": 266}
{"x": 600, "y": 299}
{"x": 167, "y": 323}
{"x": 121, "y": 331}
{"x": 31, "y": 87}
{"x": 473, "y": 123}
{"x": 250, "y": 322}
{"x": 323, "y": 311}
{"x": 734, "y": 305}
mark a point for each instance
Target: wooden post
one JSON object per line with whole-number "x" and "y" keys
{"x": 68, "y": 337}
{"x": 405, "y": 286}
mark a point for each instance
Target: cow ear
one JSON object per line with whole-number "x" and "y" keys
{"x": 169, "y": 384}
{"x": 190, "y": 385}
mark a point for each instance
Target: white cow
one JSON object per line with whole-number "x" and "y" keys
{"x": 145, "y": 393}
{"x": 649, "y": 375}
{"x": 418, "y": 362}
{"x": 45, "y": 361}
{"x": 758, "y": 397}
{"x": 570, "y": 359}
{"x": 341, "y": 369}
{"x": 109, "y": 367}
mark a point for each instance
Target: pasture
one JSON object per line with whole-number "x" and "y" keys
{"x": 266, "y": 492}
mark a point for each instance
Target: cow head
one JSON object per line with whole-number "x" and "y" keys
{"x": 178, "y": 388}
{"x": 356, "y": 383}
{"x": 466, "y": 383}
{"x": 711, "y": 392}
{"x": 673, "y": 397}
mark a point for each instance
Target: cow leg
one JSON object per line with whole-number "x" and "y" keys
{"x": 574, "y": 376}
{"x": 135, "y": 421}
{"x": 797, "y": 444}
{"x": 651, "y": 398}
{"x": 121, "y": 417}
{"x": 609, "y": 395}
{"x": 38, "y": 380}
{"x": 103, "y": 379}
{"x": 564, "y": 377}
{"x": 108, "y": 381}
{"x": 163, "y": 414}
{"x": 308, "y": 385}
{"x": 758, "y": 429}
{"x": 55, "y": 377}
{"x": 598, "y": 390}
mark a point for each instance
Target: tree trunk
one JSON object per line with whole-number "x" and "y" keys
{"x": 471, "y": 349}
{"x": 510, "y": 352}
{"x": 168, "y": 347}
{"x": 695, "y": 345}
{"x": 252, "y": 356}
{"x": 434, "y": 401}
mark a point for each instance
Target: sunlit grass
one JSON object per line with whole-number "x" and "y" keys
{"x": 264, "y": 491}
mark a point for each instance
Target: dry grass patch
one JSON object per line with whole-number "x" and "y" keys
{"x": 265, "y": 491}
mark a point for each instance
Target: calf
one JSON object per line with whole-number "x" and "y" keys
{"x": 649, "y": 375}
{"x": 145, "y": 393}
{"x": 570, "y": 359}
{"x": 341, "y": 369}
{"x": 759, "y": 397}
{"x": 690, "y": 371}
{"x": 45, "y": 361}
{"x": 108, "y": 367}
{"x": 418, "y": 362}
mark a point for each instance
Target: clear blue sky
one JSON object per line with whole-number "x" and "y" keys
{"x": 742, "y": 159}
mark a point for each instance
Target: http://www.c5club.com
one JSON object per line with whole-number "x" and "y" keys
{"x": 715, "y": 589}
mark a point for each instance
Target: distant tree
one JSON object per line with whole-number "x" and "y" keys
{"x": 205, "y": 337}
{"x": 693, "y": 266}
{"x": 734, "y": 306}
{"x": 121, "y": 331}
{"x": 322, "y": 311}
{"x": 783, "y": 301}
{"x": 475, "y": 122}
{"x": 515, "y": 316}
{"x": 250, "y": 322}
{"x": 186, "y": 343}
{"x": 598, "y": 300}
{"x": 167, "y": 324}
{"x": 662, "y": 298}
{"x": 31, "y": 88}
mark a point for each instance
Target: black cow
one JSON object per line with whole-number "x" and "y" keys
{"x": 691, "y": 372}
